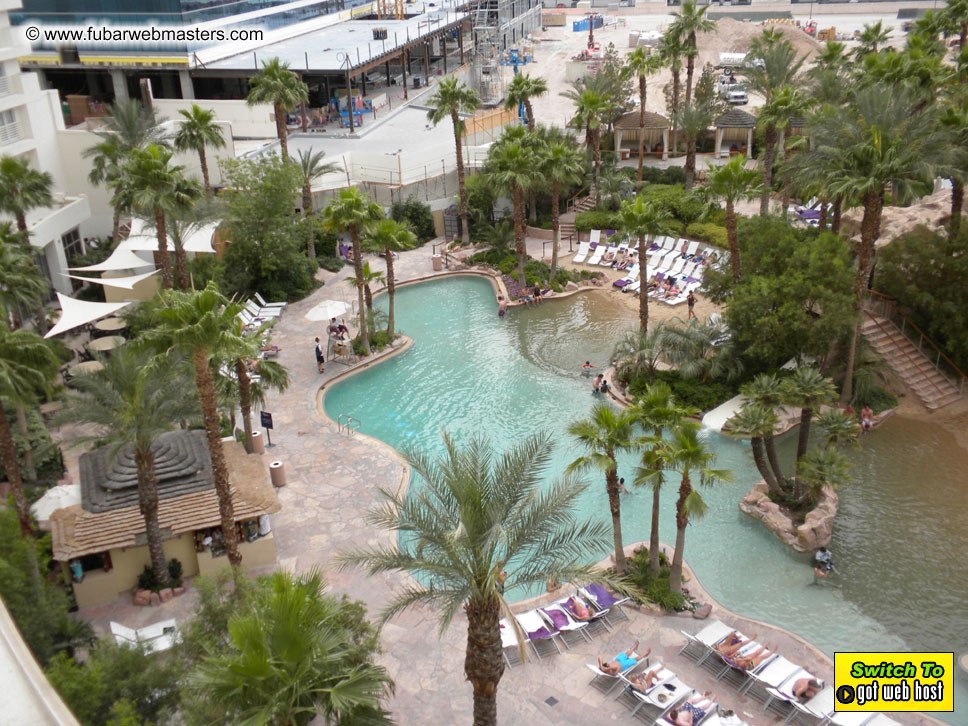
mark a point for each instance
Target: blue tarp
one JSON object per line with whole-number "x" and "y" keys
{"x": 581, "y": 26}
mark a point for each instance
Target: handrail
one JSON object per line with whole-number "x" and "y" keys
{"x": 909, "y": 357}
{"x": 891, "y": 303}
{"x": 344, "y": 422}
{"x": 570, "y": 204}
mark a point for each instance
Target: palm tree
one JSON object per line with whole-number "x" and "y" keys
{"x": 689, "y": 457}
{"x": 656, "y": 410}
{"x": 312, "y": 167}
{"x": 955, "y": 17}
{"x": 513, "y": 166}
{"x": 389, "y": 236}
{"x": 823, "y": 466}
{"x": 290, "y": 658}
{"x": 278, "y": 86}
{"x": 807, "y": 389}
{"x": 27, "y": 364}
{"x": 202, "y": 324}
{"x": 131, "y": 402}
{"x": 272, "y": 374}
{"x": 561, "y": 164}
{"x": 871, "y": 38}
{"x": 196, "y": 131}
{"x": 671, "y": 50}
{"x": 158, "y": 188}
{"x": 485, "y": 522}
{"x": 521, "y": 90}
{"x": 757, "y": 422}
{"x": 638, "y": 354}
{"x": 21, "y": 282}
{"x": 692, "y": 349}
{"x": 451, "y": 99}
{"x": 954, "y": 121}
{"x": 368, "y": 276}
{"x": 603, "y": 435}
{"x": 350, "y": 212}
{"x": 733, "y": 182}
{"x": 643, "y": 220}
{"x": 689, "y": 20}
{"x": 693, "y": 118}
{"x": 129, "y": 125}
{"x": 591, "y": 107}
{"x": 765, "y": 392}
{"x": 643, "y": 64}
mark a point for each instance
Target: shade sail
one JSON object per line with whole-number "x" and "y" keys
{"x": 125, "y": 283}
{"x": 198, "y": 238}
{"x": 121, "y": 259}
{"x": 75, "y": 313}
{"x": 327, "y": 309}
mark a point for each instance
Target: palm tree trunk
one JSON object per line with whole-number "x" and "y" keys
{"x": 957, "y": 203}
{"x": 615, "y": 507}
{"x": 483, "y": 659}
{"x": 769, "y": 144}
{"x": 676, "y": 90}
{"x": 181, "y": 265}
{"x": 654, "y": 534}
{"x": 41, "y": 317}
{"x": 204, "y": 164}
{"x": 29, "y": 473}
{"x": 368, "y": 298}
{"x": 733, "y": 239}
{"x": 520, "y": 245}
{"x": 770, "y": 447}
{"x": 690, "y": 167}
{"x": 756, "y": 443}
{"x": 806, "y": 414}
{"x": 11, "y": 467}
{"x": 675, "y": 571}
{"x": 391, "y": 289}
{"x": 465, "y": 230}
{"x": 148, "y": 504}
{"x": 22, "y": 225}
{"x": 838, "y": 209}
{"x": 643, "y": 296}
{"x": 206, "y": 396}
{"x": 358, "y": 269}
{"x": 307, "y": 205}
{"x": 642, "y": 95}
{"x": 597, "y": 145}
{"x": 690, "y": 66}
{"x": 245, "y": 400}
{"x": 530, "y": 111}
{"x": 163, "y": 258}
{"x": 280, "y": 114}
{"x": 116, "y": 224}
{"x": 532, "y": 206}
{"x": 555, "y": 227}
{"x": 823, "y": 213}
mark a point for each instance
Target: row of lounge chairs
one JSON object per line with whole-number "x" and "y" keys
{"x": 548, "y": 629}
{"x": 772, "y": 681}
{"x": 258, "y": 312}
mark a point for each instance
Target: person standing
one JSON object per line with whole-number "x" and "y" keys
{"x": 691, "y": 302}
{"x": 320, "y": 355}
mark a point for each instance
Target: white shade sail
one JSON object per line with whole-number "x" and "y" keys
{"x": 143, "y": 238}
{"x": 327, "y": 309}
{"x": 125, "y": 283}
{"x": 75, "y": 313}
{"x": 120, "y": 259}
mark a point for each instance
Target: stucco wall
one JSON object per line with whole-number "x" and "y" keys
{"x": 260, "y": 553}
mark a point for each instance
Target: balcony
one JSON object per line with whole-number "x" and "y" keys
{"x": 10, "y": 133}
{"x": 5, "y": 86}
{"x": 49, "y": 223}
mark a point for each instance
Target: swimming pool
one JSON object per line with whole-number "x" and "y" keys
{"x": 472, "y": 372}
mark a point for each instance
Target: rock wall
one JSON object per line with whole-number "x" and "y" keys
{"x": 817, "y": 526}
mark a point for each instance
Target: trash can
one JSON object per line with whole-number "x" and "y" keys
{"x": 258, "y": 445}
{"x": 438, "y": 263}
{"x": 277, "y": 473}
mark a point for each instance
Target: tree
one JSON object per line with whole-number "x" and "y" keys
{"x": 954, "y": 122}
{"x": 202, "y": 324}
{"x": 689, "y": 20}
{"x": 367, "y": 277}
{"x": 21, "y": 282}
{"x": 955, "y": 17}
{"x": 196, "y": 131}
{"x": 591, "y": 107}
{"x": 686, "y": 455}
{"x": 871, "y": 38}
{"x": 158, "y": 188}
{"x": 758, "y": 423}
{"x": 456, "y": 560}
{"x": 350, "y": 212}
{"x": 513, "y": 166}
{"x": 807, "y": 389}
{"x": 388, "y": 236}
{"x": 696, "y": 350}
{"x": 671, "y": 50}
{"x": 642, "y": 220}
{"x": 289, "y": 657}
{"x": 278, "y": 86}
{"x": 451, "y": 99}
{"x": 131, "y": 404}
{"x": 27, "y": 364}
{"x": 694, "y": 118}
{"x": 733, "y": 182}
{"x": 521, "y": 90}
{"x": 603, "y": 435}
{"x": 643, "y": 64}
{"x": 638, "y": 354}
{"x": 312, "y": 167}
{"x": 562, "y": 165}
{"x": 656, "y": 411}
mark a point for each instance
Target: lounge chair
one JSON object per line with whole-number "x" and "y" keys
{"x": 154, "y": 638}
{"x": 510, "y": 646}
{"x": 771, "y": 676}
{"x": 262, "y": 312}
{"x": 596, "y": 624}
{"x": 540, "y": 633}
{"x": 606, "y": 682}
{"x": 609, "y": 257}
{"x": 658, "y": 701}
{"x": 597, "y": 255}
{"x": 817, "y": 707}
{"x": 631, "y": 276}
{"x": 606, "y": 601}
{"x": 263, "y": 304}
{"x": 850, "y": 718}
{"x": 565, "y": 624}
{"x": 703, "y": 641}
{"x": 781, "y": 699}
{"x": 583, "y": 248}
{"x": 692, "y": 248}
{"x": 708, "y": 713}
{"x": 678, "y": 266}
{"x": 739, "y": 677}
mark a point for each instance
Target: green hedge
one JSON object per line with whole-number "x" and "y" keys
{"x": 596, "y": 219}
{"x": 708, "y": 232}
{"x": 691, "y": 392}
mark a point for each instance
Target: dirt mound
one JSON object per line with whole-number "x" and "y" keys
{"x": 734, "y": 36}
{"x": 932, "y": 211}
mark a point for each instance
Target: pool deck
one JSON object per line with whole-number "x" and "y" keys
{"x": 333, "y": 480}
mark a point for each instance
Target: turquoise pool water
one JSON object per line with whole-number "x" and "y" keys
{"x": 472, "y": 372}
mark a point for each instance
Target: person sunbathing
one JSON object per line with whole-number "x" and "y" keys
{"x": 732, "y": 643}
{"x": 609, "y": 257}
{"x": 578, "y": 609}
{"x": 672, "y": 292}
{"x": 644, "y": 681}
{"x": 751, "y": 661}
{"x": 623, "y": 661}
{"x": 692, "y": 711}
{"x": 806, "y": 688}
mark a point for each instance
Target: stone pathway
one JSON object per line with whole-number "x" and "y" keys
{"x": 333, "y": 480}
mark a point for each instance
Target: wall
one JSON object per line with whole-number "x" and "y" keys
{"x": 246, "y": 122}
{"x": 260, "y": 553}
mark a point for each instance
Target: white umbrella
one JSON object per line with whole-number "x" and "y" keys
{"x": 56, "y": 498}
{"x": 327, "y": 310}
{"x": 75, "y": 313}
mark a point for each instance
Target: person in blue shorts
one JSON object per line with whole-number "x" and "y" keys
{"x": 623, "y": 661}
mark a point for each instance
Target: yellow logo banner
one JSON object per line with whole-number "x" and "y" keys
{"x": 893, "y": 681}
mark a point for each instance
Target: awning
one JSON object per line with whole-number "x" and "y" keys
{"x": 125, "y": 283}
{"x": 75, "y": 313}
{"x": 120, "y": 259}
{"x": 143, "y": 238}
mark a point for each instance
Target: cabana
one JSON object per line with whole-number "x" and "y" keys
{"x": 656, "y": 132}
{"x": 734, "y": 131}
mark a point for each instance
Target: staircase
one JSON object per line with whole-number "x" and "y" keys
{"x": 580, "y": 205}
{"x": 912, "y": 366}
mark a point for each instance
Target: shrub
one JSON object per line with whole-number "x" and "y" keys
{"x": 708, "y": 232}
{"x": 418, "y": 215}
{"x": 147, "y": 579}
{"x": 333, "y": 264}
{"x": 597, "y": 219}
{"x": 378, "y": 341}
{"x": 175, "y": 571}
{"x": 691, "y": 392}
{"x": 683, "y": 205}
{"x": 655, "y": 588}
{"x": 90, "y": 293}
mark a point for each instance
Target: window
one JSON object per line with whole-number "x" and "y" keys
{"x": 72, "y": 244}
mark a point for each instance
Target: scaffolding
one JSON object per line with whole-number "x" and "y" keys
{"x": 486, "y": 75}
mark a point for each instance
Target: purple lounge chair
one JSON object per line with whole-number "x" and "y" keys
{"x": 606, "y": 601}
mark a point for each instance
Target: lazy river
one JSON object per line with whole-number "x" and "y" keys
{"x": 899, "y": 538}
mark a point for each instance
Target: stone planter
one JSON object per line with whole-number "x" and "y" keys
{"x": 817, "y": 526}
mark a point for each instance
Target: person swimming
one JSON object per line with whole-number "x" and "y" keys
{"x": 587, "y": 368}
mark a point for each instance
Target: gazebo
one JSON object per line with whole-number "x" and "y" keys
{"x": 656, "y": 132}
{"x": 733, "y": 128}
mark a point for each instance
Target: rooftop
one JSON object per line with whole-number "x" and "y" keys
{"x": 630, "y": 120}
{"x": 736, "y": 118}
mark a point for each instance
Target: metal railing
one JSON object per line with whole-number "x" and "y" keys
{"x": 10, "y": 133}
{"x": 346, "y": 423}
{"x": 885, "y": 306}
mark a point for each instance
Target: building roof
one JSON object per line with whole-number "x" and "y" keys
{"x": 77, "y": 531}
{"x": 736, "y": 118}
{"x": 630, "y": 120}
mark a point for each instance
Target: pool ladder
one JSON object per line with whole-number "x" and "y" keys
{"x": 346, "y": 423}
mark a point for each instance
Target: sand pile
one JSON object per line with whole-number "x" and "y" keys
{"x": 932, "y": 211}
{"x": 734, "y": 36}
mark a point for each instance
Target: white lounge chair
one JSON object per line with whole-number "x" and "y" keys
{"x": 566, "y": 625}
{"x": 633, "y": 287}
{"x": 606, "y": 682}
{"x": 708, "y": 711}
{"x": 819, "y": 706}
{"x": 583, "y": 248}
{"x": 850, "y": 718}
{"x": 539, "y": 632}
{"x": 692, "y": 248}
{"x": 597, "y": 255}
{"x": 705, "y": 639}
{"x": 631, "y": 275}
{"x": 263, "y": 304}
{"x": 609, "y": 256}
{"x": 154, "y": 638}
{"x": 781, "y": 698}
{"x": 510, "y": 644}
{"x": 775, "y": 673}
{"x": 262, "y": 312}
{"x": 659, "y": 701}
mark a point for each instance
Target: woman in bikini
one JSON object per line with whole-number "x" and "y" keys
{"x": 692, "y": 711}
{"x": 644, "y": 681}
{"x": 578, "y": 609}
{"x": 752, "y": 660}
{"x": 732, "y": 643}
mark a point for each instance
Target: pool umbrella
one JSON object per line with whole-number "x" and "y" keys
{"x": 327, "y": 310}
{"x": 55, "y": 498}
